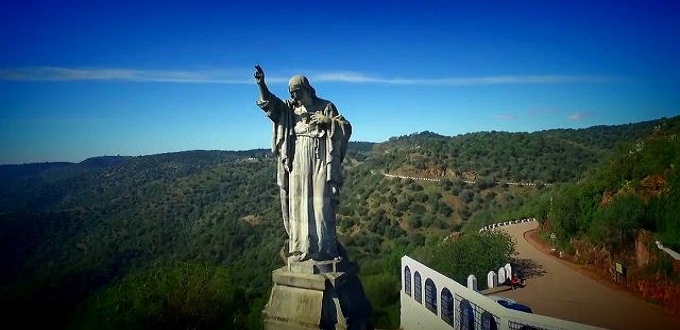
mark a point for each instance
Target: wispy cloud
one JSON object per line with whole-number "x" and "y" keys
{"x": 541, "y": 111}
{"x": 505, "y": 117}
{"x": 354, "y": 77}
{"x": 51, "y": 73}
{"x": 576, "y": 116}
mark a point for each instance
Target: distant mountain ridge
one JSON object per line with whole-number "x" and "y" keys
{"x": 104, "y": 161}
{"x": 556, "y": 155}
{"x": 551, "y": 156}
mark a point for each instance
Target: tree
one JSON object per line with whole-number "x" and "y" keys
{"x": 472, "y": 253}
{"x": 466, "y": 195}
{"x": 179, "y": 297}
{"x": 616, "y": 224}
{"x": 416, "y": 221}
{"x": 565, "y": 211}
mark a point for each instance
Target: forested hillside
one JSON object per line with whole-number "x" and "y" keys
{"x": 542, "y": 157}
{"x": 621, "y": 208}
{"x": 637, "y": 187}
{"x": 78, "y": 241}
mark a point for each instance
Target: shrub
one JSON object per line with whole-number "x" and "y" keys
{"x": 473, "y": 253}
{"x": 185, "y": 296}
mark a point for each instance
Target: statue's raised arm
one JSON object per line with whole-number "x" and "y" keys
{"x": 259, "y": 79}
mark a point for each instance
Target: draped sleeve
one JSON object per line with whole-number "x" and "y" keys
{"x": 280, "y": 113}
{"x": 337, "y": 140}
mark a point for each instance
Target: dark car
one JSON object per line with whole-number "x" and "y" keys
{"x": 515, "y": 306}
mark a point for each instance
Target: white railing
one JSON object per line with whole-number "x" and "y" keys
{"x": 506, "y": 223}
{"x": 668, "y": 251}
{"x": 493, "y": 279}
{"x": 466, "y": 181}
{"x": 430, "y": 300}
{"x": 418, "y": 178}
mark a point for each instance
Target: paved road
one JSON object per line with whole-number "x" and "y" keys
{"x": 554, "y": 289}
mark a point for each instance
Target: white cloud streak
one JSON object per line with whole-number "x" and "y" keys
{"x": 352, "y": 77}
{"x": 505, "y": 117}
{"x": 577, "y": 116}
{"x": 50, "y": 73}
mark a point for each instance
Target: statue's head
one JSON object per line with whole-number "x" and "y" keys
{"x": 300, "y": 89}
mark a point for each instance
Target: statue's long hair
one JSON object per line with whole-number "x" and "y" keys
{"x": 303, "y": 82}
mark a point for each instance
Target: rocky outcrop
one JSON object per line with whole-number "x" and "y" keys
{"x": 646, "y": 274}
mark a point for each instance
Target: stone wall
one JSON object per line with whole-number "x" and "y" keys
{"x": 430, "y": 300}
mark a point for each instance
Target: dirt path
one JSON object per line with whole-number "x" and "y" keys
{"x": 557, "y": 289}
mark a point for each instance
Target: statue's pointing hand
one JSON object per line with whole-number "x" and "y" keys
{"x": 259, "y": 74}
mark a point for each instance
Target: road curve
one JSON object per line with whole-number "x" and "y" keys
{"x": 556, "y": 290}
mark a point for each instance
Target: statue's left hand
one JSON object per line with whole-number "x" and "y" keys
{"x": 259, "y": 75}
{"x": 320, "y": 119}
{"x": 335, "y": 194}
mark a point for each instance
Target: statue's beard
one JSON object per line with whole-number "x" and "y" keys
{"x": 301, "y": 102}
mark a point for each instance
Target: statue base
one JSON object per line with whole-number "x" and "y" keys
{"x": 306, "y": 295}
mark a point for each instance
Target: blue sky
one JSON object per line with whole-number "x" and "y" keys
{"x": 89, "y": 78}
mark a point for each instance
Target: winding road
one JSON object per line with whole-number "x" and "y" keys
{"x": 557, "y": 290}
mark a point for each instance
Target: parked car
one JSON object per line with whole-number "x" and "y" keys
{"x": 511, "y": 304}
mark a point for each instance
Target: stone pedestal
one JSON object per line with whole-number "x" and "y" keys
{"x": 317, "y": 295}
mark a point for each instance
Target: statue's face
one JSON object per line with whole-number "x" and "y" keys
{"x": 300, "y": 95}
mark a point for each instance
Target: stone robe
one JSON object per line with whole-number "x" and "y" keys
{"x": 309, "y": 159}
